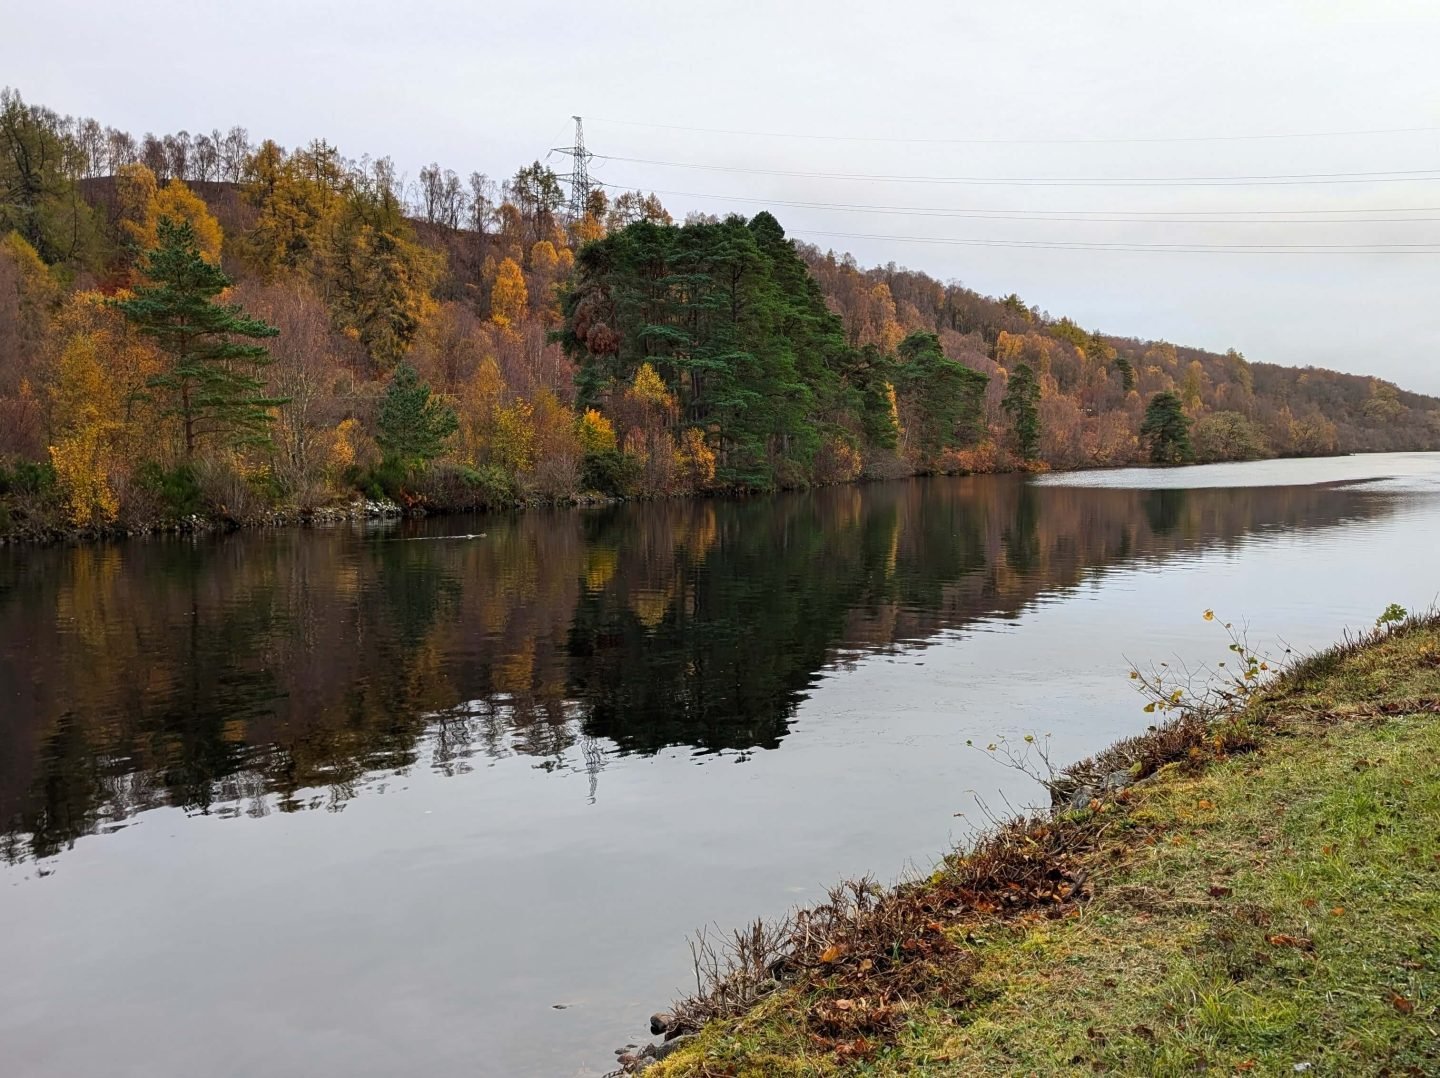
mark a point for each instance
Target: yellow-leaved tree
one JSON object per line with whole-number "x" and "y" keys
{"x": 512, "y": 442}
{"x": 97, "y": 417}
{"x": 494, "y": 431}
{"x": 508, "y": 297}
{"x": 555, "y": 471}
{"x": 383, "y": 284}
{"x": 649, "y": 388}
{"x": 143, "y": 202}
{"x": 86, "y": 410}
{"x": 479, "y": 401}
{"x": 696, "y": 459}
{"x": 298, "y": 199}
{"x": 28, "y": 294}
{"x": 597, "y": 434}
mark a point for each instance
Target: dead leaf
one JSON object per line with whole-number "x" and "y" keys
{"x": 1219, "y": 890}
{"x": 1337, "y": 911}
{"x": 1280, "y": 939}
{"x": 1400, "y": 1003}
{"x": 831, "y": 954}
{"x": 867, "y": 965}
{"x": 1204, "y": 803}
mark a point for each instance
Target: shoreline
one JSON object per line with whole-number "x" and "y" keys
{"x": 365, "y": 508}
{"x": 1239, "y": 845}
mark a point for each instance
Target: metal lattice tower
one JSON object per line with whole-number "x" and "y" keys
{"x": 579, "y": 176}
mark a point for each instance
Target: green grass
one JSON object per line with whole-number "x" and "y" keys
{"x": 1274, "y": 909}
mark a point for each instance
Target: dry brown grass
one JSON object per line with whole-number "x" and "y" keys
{"x": 1337, "y": 803}
{"x": 868, "y": 953}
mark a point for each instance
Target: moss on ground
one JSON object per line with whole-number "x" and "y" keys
{"x": 1275, "y": 912}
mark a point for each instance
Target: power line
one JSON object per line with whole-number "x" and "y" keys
{"x": 1387, "y": 176}
{"x": 1024, "y": 141}
{"x": 1195, "y": 217}
{"x": 1174, "y": 248}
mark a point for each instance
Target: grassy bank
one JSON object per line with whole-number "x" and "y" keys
{"x": 1261, "y": 897}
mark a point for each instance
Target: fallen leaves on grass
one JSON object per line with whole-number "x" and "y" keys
{"x": 867, "y": 952}
{"x": 1281, "y": 939}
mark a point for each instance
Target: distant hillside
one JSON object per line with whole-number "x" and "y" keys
{"x": 457, "y": 342}
{"x": 1293, "y": 411}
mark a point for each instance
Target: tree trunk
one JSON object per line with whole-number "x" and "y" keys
{"x": 189, "y": 422}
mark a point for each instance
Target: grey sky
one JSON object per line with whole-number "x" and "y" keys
{"x": 488, "y": 87}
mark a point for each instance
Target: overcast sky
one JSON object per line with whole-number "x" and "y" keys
{"x": 895, "y": 89}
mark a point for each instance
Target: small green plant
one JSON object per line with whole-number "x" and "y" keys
{"x": 1208, "y": 691}
{"x": 1391, "y": 615}
{"x": 1201, "y": 706}
{"x": 610, "y": 472}
{"x": 27, "y": 477}
{"x": 178, "y": 490}
{"x": 387, "y": 480}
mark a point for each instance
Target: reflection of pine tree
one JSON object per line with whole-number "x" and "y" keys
{"x": 310, "y": 669}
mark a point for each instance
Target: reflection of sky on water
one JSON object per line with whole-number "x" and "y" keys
{"x": 432, "y": 921}
{"x": 1384, "y": 471}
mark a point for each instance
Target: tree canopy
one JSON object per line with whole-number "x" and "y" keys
{"x": 1166, "y": 430}
{"x": 211, "y": 383}
{"x": 413, "y": 425}
{"x": 1022, "y": 395}
{"x": 619, "y": 352}
{"x": 729, "y": 317}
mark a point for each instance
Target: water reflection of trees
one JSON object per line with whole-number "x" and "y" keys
{"x": 285, "y": 671}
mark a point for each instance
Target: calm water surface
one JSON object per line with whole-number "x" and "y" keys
{"x": 414, "y": 800}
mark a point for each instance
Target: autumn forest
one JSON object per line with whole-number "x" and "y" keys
{"x": 213, "y": 327}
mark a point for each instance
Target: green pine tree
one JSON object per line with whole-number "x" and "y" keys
{"x": 946, "y": 399}
{"x": 1021, "y": 402}
{"x": 728, "y": 315}
{"x": 1127, "y": 373}
{"x": 1167, "y": 429}
{"x": 210, "y": 384}
{"x": 413, "y": 424}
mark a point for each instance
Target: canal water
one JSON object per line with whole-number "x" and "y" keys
{"x": 447, "y": 797}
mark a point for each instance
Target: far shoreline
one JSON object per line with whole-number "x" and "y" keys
{"x": 363, "y": 509}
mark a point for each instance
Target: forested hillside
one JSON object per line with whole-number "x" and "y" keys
{"x": 216, "y": 326}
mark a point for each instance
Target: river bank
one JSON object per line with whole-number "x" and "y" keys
{"x": 361, "y": 509}
{"x": 19, "y": 526}
{"x": 1251, "y": 889}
